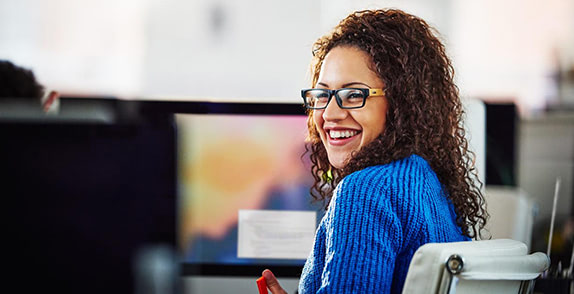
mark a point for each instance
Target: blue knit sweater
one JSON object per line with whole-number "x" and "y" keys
{"x": 377, "y": 219}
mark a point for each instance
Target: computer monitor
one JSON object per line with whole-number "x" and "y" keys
{"x": 234, "y": 159}
{"x": 501, "y": 138}
{"x": 84, "y": 199}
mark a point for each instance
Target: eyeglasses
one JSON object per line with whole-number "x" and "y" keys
{"x": 347, "y": 98}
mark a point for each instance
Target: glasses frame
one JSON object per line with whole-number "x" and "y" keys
{"x": 366, "y": 91}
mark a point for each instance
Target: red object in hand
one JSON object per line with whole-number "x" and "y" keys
{"x": 262, "y": 285}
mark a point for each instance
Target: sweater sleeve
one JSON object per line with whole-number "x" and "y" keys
{"x": 363, "y": 238}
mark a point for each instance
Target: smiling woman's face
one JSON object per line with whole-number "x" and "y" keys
{"x": 344, "y": 131}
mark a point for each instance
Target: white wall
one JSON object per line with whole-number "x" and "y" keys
{"x": 509, "y": 50}
{"x": 256, "y": 49}
{"x": 84, "y": 47}
{"x": 232, "y": 50}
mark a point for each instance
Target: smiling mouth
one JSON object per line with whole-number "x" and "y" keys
{"x": 342, "y": 134}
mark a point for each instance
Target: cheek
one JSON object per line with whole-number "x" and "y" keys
{"x": 380, "y": 124}
{"x": 373, "y": 124}
{"x": 380, "y": 120}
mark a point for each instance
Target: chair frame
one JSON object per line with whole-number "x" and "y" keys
{"x": 454, "y": 265}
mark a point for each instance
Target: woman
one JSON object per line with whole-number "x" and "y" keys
{"x": 388, "y": 153}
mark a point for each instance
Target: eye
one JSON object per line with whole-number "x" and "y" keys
{"x": 355, "y": 95}
{"x": 352, "y": 94}
{"x": 317, "y": 97}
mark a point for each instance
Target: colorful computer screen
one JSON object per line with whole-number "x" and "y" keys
{"x": 233, "y": 167}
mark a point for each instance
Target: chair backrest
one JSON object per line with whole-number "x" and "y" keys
{"x": 511, "y": 213}
{"x": 489, "y": 266}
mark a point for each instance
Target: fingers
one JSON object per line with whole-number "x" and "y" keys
{"x": 272, "y": 283}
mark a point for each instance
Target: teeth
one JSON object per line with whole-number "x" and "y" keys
{"x": 342, "y": 134}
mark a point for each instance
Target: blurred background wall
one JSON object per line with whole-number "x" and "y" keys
{"x": 502, "y": 50}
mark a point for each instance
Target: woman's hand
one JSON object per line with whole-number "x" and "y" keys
{"x": 272, "y": 283}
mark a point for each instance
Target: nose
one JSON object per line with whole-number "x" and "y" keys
{"x": 333, "y": 112}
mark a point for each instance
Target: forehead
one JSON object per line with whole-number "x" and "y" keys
{"x": 345, "y": 64}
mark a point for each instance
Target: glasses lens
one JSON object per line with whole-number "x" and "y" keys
{"x": 352, "y": 98}
{"x": 317, "y": 98}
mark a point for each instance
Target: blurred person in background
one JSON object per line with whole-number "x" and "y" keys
{"x": 17, "y": 83}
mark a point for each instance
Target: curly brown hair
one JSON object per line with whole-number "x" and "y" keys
{"x": 424, "y": 116}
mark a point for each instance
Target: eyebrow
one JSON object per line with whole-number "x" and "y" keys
{"x": 345, "y": 85}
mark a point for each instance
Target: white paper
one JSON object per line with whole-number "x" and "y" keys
{"x": 275, "y": 234}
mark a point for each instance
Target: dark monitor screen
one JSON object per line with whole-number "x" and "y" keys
{"x": 501, "y": 136}
{"x": 83, "y": 199}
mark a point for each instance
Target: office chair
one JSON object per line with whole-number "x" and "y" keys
{"x": 489, "y": 266}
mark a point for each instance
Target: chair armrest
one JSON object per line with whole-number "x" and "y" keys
{"x": 526, "y": 267}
